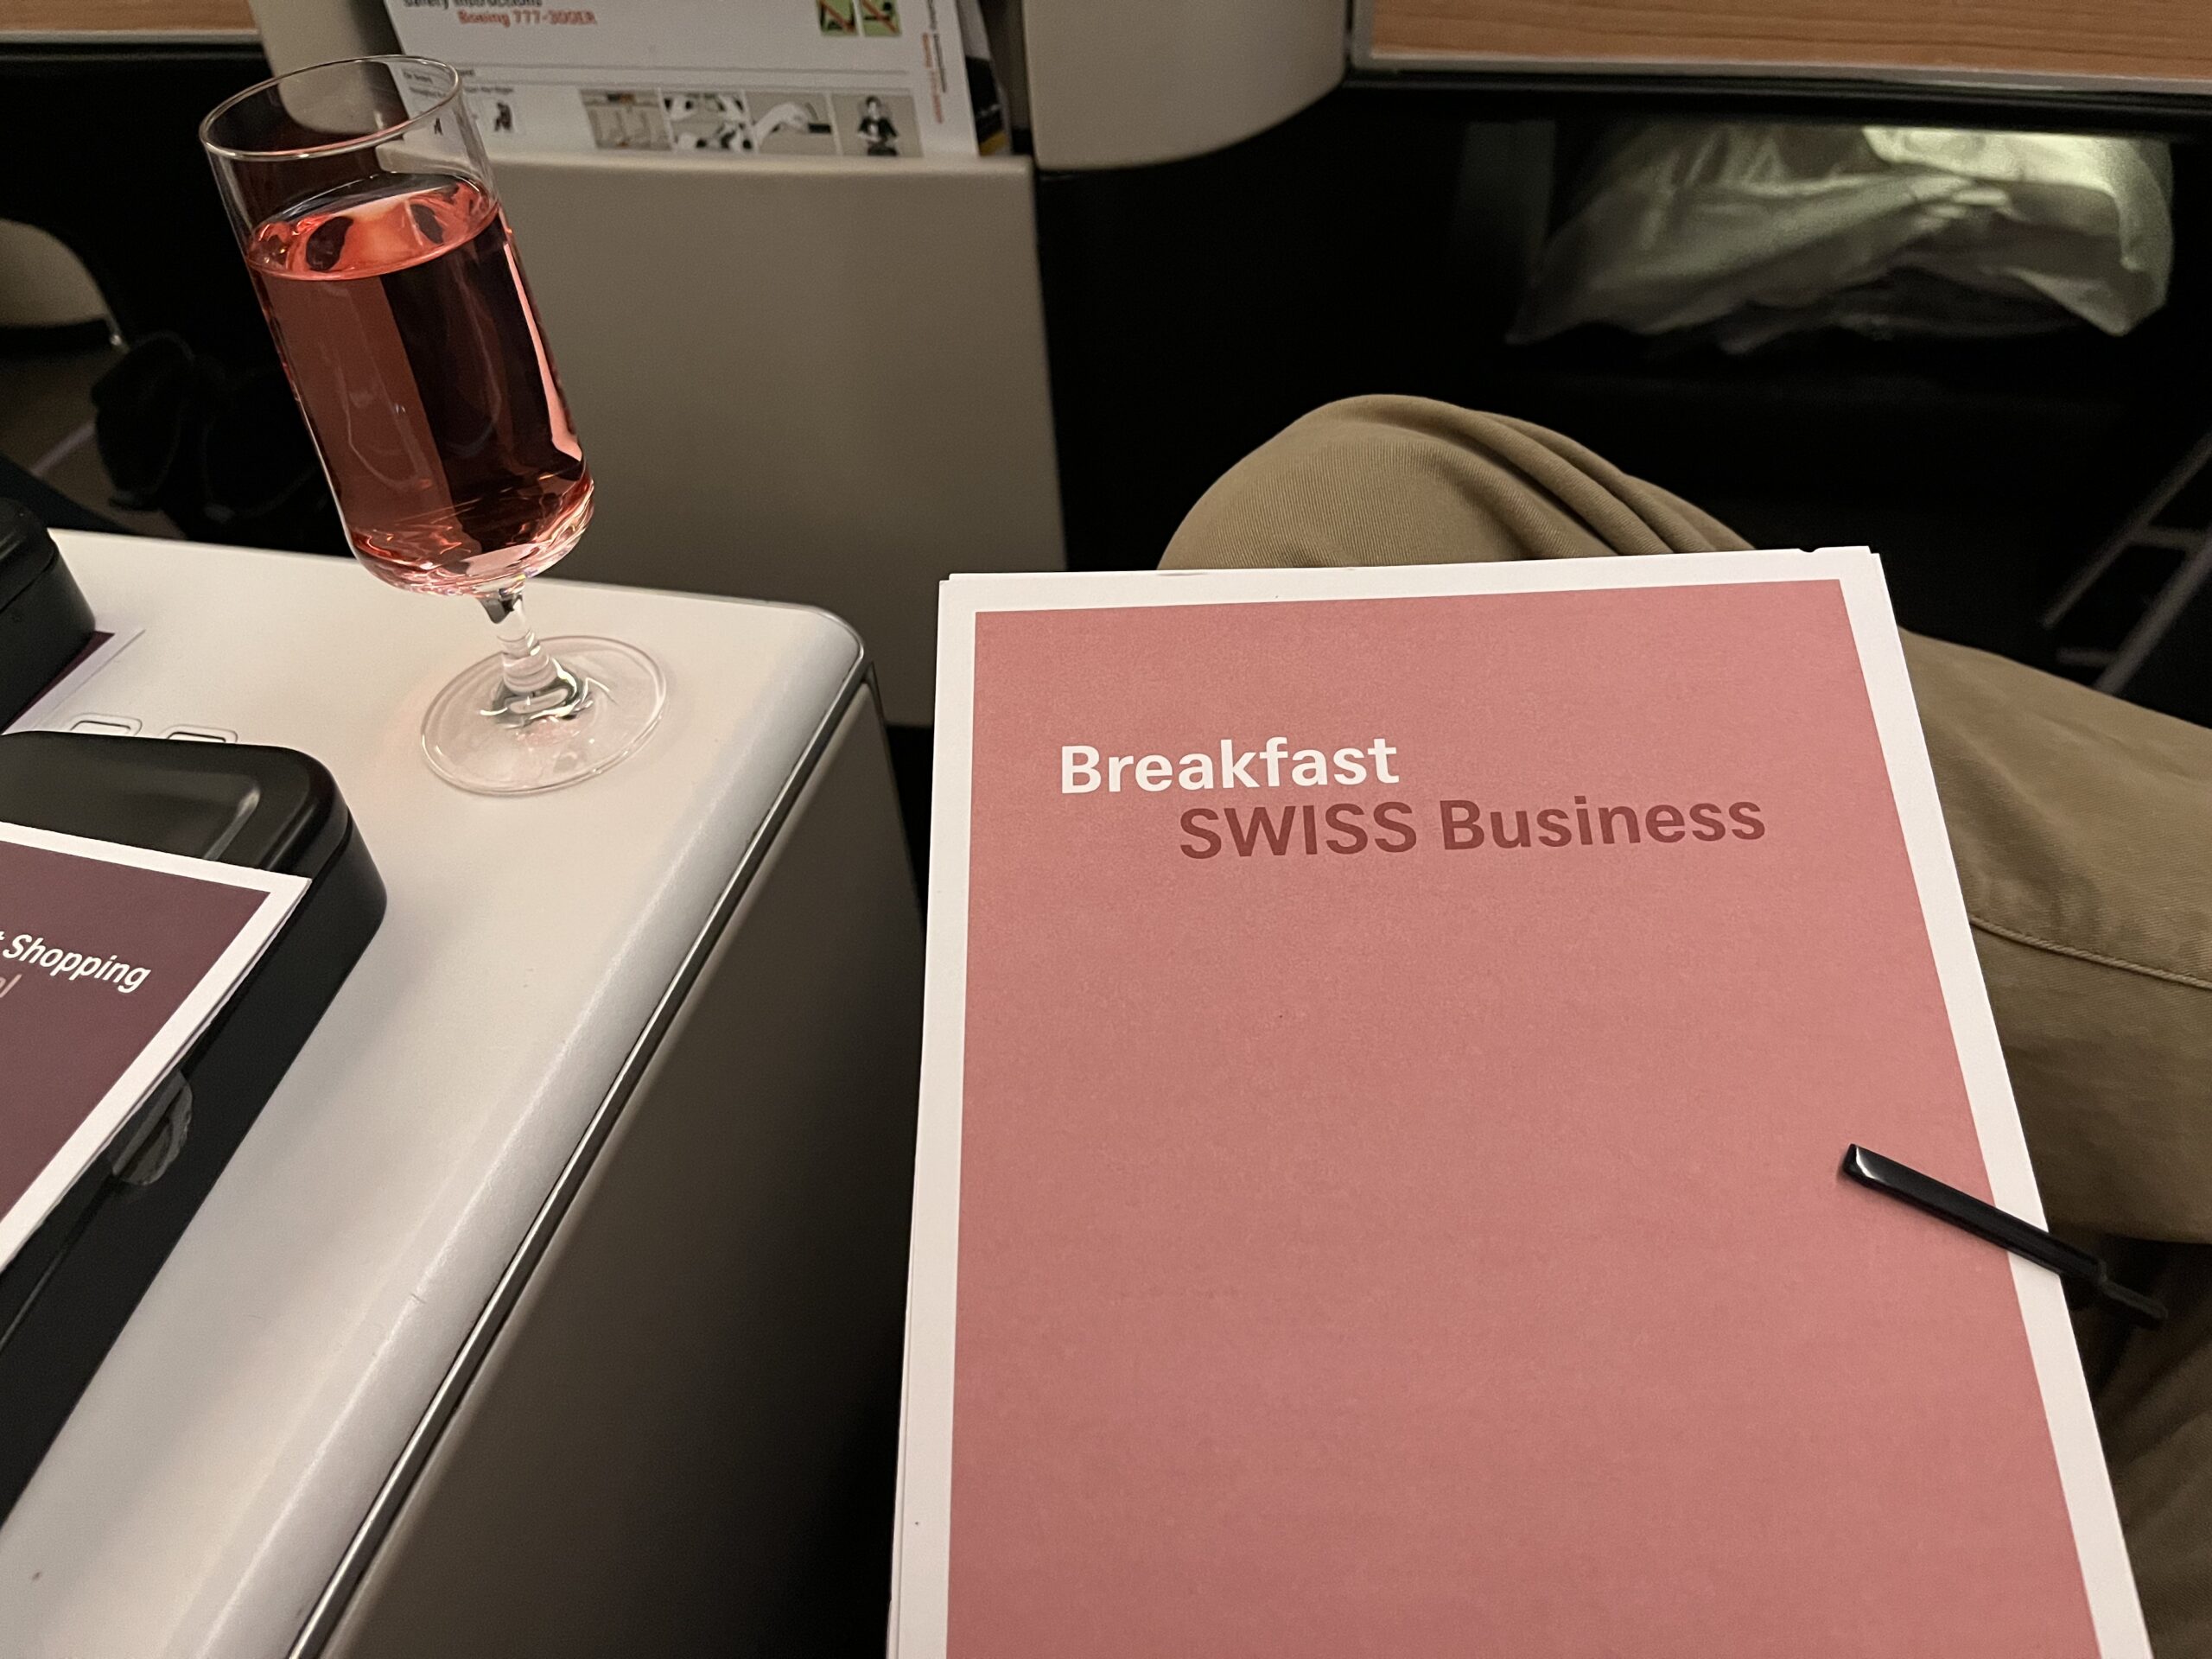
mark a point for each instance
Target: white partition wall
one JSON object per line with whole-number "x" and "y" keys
{"x": 818, "y": 381}
{"x": 1136, "y": 81}
{"x": 297, "y": 33}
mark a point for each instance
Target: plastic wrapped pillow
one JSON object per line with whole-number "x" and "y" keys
{"x": 1765, "y": 229}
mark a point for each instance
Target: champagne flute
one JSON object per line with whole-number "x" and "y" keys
{"x": 365, "y": 205}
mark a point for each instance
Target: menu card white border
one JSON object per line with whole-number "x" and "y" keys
{"x": 159, "y": 1057}
{"x": 921, "y": 1558}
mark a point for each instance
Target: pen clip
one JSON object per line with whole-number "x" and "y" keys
{"x": 1986, "y": 1221}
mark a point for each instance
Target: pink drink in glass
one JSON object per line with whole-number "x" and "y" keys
{"x": 415, "y": 352}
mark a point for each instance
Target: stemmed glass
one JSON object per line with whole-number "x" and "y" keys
{"x": 362, "y": 198}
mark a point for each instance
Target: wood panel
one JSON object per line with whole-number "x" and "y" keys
{"x": 2149, "y": 41}
{"x": 125, "y": 17}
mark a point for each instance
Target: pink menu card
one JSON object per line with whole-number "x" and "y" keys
{"x": 1392, "y": 1035}
{"x": 113, "y": 960}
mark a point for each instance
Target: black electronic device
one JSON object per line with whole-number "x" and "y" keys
{"x": 66, "y": 1294}
{"x": 44, "y": 621}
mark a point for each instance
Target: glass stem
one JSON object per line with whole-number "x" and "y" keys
{"x": 532, "y": 685}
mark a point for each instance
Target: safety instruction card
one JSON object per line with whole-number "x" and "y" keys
{"x": 880, "y": 79}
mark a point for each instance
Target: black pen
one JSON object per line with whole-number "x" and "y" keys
{"x": 1986, "y": 1221}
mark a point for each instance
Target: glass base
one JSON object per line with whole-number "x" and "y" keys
{"x": 479, "y": 736}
